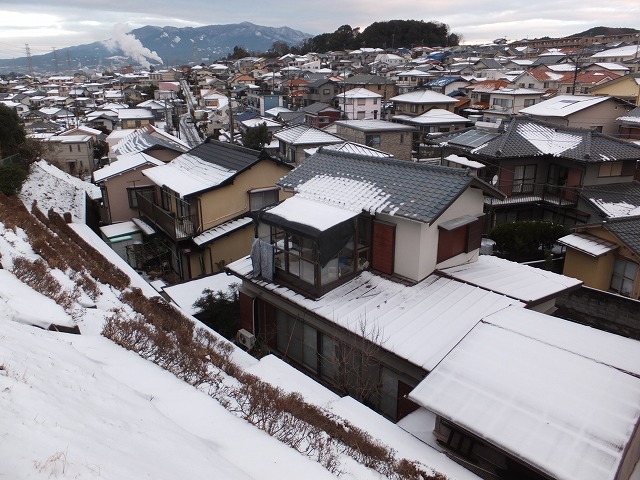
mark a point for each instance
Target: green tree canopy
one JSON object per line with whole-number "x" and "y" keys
{"x": 256, "y": 137}
{"x": 526, "y": 239}
{"x": 12, "y": 176}
{"x": 12, "y": 134}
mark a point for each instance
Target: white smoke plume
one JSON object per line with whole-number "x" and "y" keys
{"x": 131, "y": 46}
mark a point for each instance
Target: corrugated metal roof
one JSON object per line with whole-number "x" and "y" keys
{"x": 553, "y": 393}
{"x": 525, "y": 283}
{"x": 221, "y": 230}
{"x": 589, "y": 244}
{"x": 420, "y": 323}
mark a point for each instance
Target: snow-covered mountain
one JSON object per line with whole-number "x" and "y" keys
{"x": 160, "y": 46}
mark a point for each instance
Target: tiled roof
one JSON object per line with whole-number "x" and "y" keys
{"x": 147, "y": 137}
{"x": 627, "y": 230}
{"x": 306, "y": 135}
{"x": 423, "y": 96}
{"x": 524, "y": 137}
{"x": 379, "y": 185}
{"x": 615, "y": 200}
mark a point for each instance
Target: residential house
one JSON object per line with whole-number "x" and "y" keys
{"x": 606, "y": 256}
{"x": 617, "y": 55}
{"x": 630, "y": 124}
{"x": 298, "y": 138}
{"x": 507, "y": 102}
{"x": 411, "y": 80}
{"x": 436, "y": 120}
{"x": 320, "y": 114}
{"x": 135, "y": 118}
{"x": 447, "y": 85}
{"x": 203, "y": 201}
{"x": 353, "y": 299}
{"x": 73, "y": 154}
{"x": 597, "y": 113}
{"x": 150, "y": 140}
{"x": 581, "y": 83}
{"x": 360, "y": 104}
{"x": 390, "y": 137}
{"x": 120, "y": 182}
{"x": 540, "y": 78}
{"x": 522, "y": 397}
{"x": 542, "y": 167}
{"x": 260, "y": 102}
{"x": 421, "y": 101}
{"x": 480, "y": 92}
{"x": 378, "y": 84}
{"x": 626, "y": 87}
{"x": 323, "y": 90}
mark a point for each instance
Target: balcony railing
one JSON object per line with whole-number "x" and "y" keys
{"x": 536, "y": 192}
{"x": 178, "y": 228}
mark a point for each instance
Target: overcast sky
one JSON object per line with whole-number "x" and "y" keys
{"x": 62, "y": 23}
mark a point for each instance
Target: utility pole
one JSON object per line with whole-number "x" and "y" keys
{"x": 231, "y": 126}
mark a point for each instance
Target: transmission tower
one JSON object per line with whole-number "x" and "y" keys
{"x": 29, "y": 60}
{"x": 55, "y": 59}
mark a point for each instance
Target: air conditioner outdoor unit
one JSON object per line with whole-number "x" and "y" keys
{"x": 246, "y": 339}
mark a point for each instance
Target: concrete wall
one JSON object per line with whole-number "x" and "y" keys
{"x": 116, "y": 186}
{"x": 602, "y": 310}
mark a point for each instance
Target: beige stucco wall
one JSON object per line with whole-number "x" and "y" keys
{"x": 225, "y": 203}
{"x": 626, "y": 88}
{"x": 594, "y": 272}
{"x": 117, "y": 192}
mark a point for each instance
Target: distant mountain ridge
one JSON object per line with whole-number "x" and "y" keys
{"x": 171, "y": 45}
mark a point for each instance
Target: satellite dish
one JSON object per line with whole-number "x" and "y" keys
{"x": 494, "y": 180}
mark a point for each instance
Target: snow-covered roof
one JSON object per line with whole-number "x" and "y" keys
{"x": 134, "y": 114}
{"x": 306, "y": 135}
{"x": 359, "y": 93}
{"x": 464, "y": 161}
{"x": 257, "y": 121}
{"x": 188, "y": 174}
{"x": 434, "y": 116}
{"x": 296, "y": 209}
{"x": 589, "y": 244}
{"x": 626, "y": 51}
{"x": 185, "y": 294}
{"x": 119, "y": 229}
{"x": 615, "y": 200}
{"x": 420, "y": 323}
{"x": 522, "y": 282}
{"x": 558, "y": 395}
{"x": 423, "y": 96}
{"x": 351, "y": 147}
{"x": 123, "y": 164}
{"x": 147, "y": 137}
{"x": 563, "y": 105}
{"x": 221, "y": 230}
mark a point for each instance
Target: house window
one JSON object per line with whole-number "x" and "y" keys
{"x": 71, "y": 148}
{"x": 610, "y": 169}
{"x": 259, "y": 199}
{"x": 297, "y": 341}
{"x": 362, "y": 101}
{"x": 183, "y": 207}
{"x": 133, "y": 192}
{"x": 502, "y": 102}
{"x": 624, "y": 276}
{"x": 529, "y": 101}
{"x": 460, "y": 235}
{"x": 361, "y": 114}
{"x": 524, "y": 177}
{"x": 372, "y": 141}
{"x": 326, "y": 91}
{"x": 165, "y": 198}
{"x": 375, "y": 101}
{"x": 413, "y": 108}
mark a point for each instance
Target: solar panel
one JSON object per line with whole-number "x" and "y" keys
{"x": 473, "y": 138}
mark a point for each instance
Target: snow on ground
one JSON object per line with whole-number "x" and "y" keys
{"x": 79, "y": 406}
{"x": 52, "y": 187}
